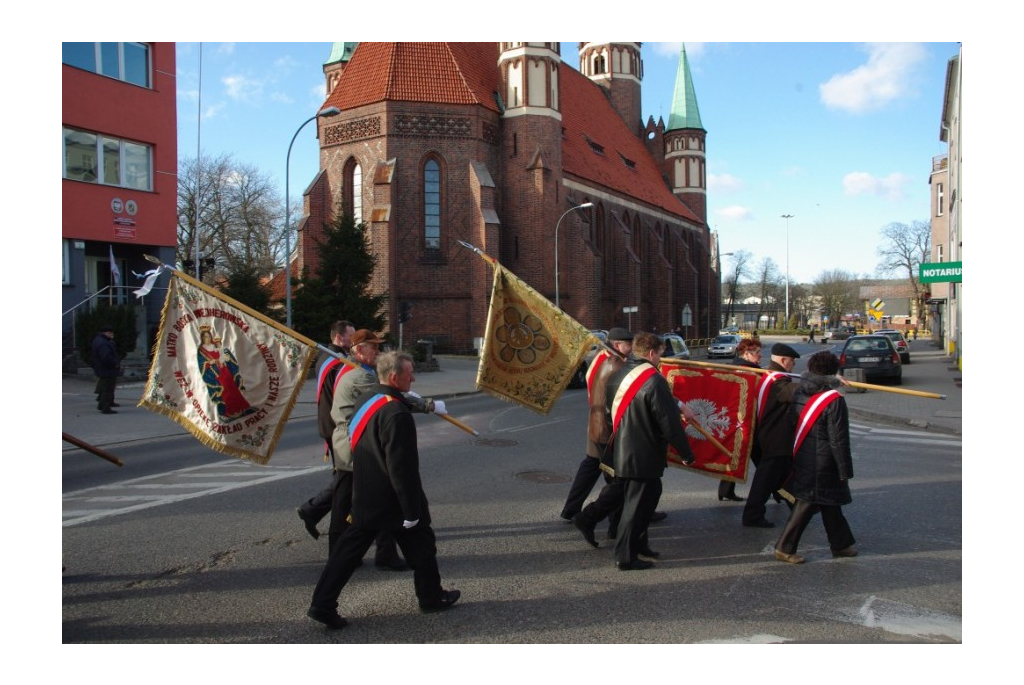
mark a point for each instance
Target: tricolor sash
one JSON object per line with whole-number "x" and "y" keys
{"x": 810, "y": 414}
{"x": 361, "y": 419}
{"x": 601, "y": 358}
{"x": 627, "y": 390}
{"x": 762, "y": 392}
{"x": 325, "y": 368}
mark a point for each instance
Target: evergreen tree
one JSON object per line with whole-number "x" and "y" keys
{"x": 244, "y": 284}
{"x": 341, "y": 286}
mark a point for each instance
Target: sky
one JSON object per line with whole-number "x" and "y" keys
{"x": 839, "y": 135}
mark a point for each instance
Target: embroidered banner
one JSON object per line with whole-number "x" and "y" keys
{"x": 226, "y": 373}
{"x": 531, "y": 348}
{"x": 724, "y": 402}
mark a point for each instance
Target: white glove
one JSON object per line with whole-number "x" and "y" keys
{"x": 439, "y": 407}
{"x": 409, "y": 524}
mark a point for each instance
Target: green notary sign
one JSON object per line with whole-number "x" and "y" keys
{"x": 942, "y": 272}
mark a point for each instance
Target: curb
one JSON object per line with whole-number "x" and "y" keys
{"x": 898, "y": 421}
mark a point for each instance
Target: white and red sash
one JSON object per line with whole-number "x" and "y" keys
{"x": 627, "y": 390}
{"x": 762, "y": 391}
{"x": 812, "y": 410}
{"x": 599, "y": 359}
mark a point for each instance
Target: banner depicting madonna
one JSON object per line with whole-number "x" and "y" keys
{"x": 229, "y": 375}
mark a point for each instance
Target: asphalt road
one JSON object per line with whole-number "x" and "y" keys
{"x": 194, "y": 547}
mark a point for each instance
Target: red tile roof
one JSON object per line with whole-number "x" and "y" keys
{"x": 587, "y": 114}
{"x": 455, "y": 73}
{"x": 467, "y": 73}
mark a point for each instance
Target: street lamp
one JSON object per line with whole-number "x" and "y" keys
{"x": 585, "y": 205}
{"x": 325, "y": 112}
{"x": 787, "y": 217}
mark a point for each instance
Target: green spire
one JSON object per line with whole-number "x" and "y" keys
{"x": 685, "y": 113}
{"x": 341, "y": 52}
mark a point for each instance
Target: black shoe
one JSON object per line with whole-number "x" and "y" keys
{"x": 114, "y": 404}
{"x": 586, "y": 530}
{"x": 331, "y": 619}
{"x": 612, "y": 533}
{"x": 762, "y": 523}
{"x": 731, "y": 498}
{"x": 635, "y": 565}
{"x": 396, "y": 564}
{"x": 658, "y": 516}
{"x": 310, "y": 525}
{"x": 650, "y": 553}
{"x": 567, "y": 516}
{"x": 107, "y": 411}
{"x": 447, "y": 599}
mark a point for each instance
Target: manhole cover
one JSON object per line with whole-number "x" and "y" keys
{"x": 543, "y": 477}
{"x": 496, "y": 442}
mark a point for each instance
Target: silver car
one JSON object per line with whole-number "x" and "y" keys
{"x": 723, "y": 346}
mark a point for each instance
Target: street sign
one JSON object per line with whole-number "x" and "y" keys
{"x": 687, "y": 315}
{"x": 941, "y": 272}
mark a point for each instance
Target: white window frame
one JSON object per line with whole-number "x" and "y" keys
{"x": 126, "y": 167}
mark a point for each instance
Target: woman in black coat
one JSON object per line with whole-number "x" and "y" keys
{"x": 822, "y": 465}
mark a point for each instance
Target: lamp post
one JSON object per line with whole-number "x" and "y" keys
{"x": 325, "y": 112}
{"x": 787, "y": 217}
{"x": 585, "y": 205}
{"x": 724, "y": 254}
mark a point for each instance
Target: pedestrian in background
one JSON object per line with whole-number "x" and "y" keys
{"x": 106, "y": 365}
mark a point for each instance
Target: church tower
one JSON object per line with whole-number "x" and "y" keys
{"x": 618, "y": 69}
{"x": 685, "y": 159}
{"x": 531, "y": 158}
{"x": 335, "y": 65}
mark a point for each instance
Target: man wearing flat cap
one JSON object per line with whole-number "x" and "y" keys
{"x": 774, "y": 435}
{"x": 105, "y": 364}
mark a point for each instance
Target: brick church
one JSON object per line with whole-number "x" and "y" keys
{"x": 495, "y": 144}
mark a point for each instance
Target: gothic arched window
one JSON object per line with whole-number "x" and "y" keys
{"x": 432, "y": 205}
{"x": 352, "y": 184}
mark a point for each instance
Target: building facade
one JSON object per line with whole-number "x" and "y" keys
{"x": 496, "y": 145}
{"x": 950, "y": 133}
{"x": 119, "y": 176}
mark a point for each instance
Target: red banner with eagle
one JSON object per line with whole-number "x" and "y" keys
{"x": 725, "y": 404}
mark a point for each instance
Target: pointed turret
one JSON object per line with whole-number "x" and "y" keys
{"x": 685, "y": 163}
{"x": 341, "y": 53}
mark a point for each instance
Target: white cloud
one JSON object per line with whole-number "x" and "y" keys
{"x": 735, "y": 213}
{"x": 243, "y": 88}
{"x": 885, "y": 77}
{"x": 863, "y": 183}
{"x": 725, "y": 183}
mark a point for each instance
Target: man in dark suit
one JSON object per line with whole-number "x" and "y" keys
{"x": 387, "y": 495}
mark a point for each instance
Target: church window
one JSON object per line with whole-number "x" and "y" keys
{"x": 353, "y": 189}
{"x": 432, "y": 205}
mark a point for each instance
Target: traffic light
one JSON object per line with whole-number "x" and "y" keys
{"x": 404, "y": 312}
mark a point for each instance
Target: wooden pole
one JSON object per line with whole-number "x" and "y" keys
{"x": 92, "y": 448}
{"x": 710, "y": 437}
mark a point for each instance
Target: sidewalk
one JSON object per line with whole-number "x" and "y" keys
{"x": 930, "y": 370}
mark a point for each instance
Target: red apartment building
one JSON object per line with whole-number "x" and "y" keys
{"x": 494, "y": 144}
{"x": 119, "y": 182}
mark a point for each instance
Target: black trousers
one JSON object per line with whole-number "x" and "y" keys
{"x": 319, "y": 505}
{"x": 640, "y": 499}
{"x": 770, "y": 475}
{"x": 726, "y": 488}
{"x": 836, "y": 527}
{"x": 105, "y": 392}
{"x": 586, "y": 477}
{"x": 607, "y": 505}
{"x": 341, "y": 507}
{"x": 418, "y": 544}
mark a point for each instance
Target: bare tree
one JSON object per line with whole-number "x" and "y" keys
{"x": 739, "y": 269}
{"x": 837, "y": 290}
{"x": 769, "y": 287}
{"x": 239, "y": 219}
{"x": 902, "y": 252}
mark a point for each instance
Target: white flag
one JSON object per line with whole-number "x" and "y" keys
{"x": 115, "y": 273}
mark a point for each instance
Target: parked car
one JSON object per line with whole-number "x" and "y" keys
{"x": 579, "y": 379}
{"x": 902, "y": 346}
{"x": 730, "y": 330}
{"x": 723, "y": 346}
{"x": 841, "y": 333}
{"x": 675, "y": 347}
{"x": 875, "y": 354}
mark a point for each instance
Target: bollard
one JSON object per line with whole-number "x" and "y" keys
{"x": 855, "y": 375}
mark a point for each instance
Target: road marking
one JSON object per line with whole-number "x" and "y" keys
{"x": 176, "y": 486}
